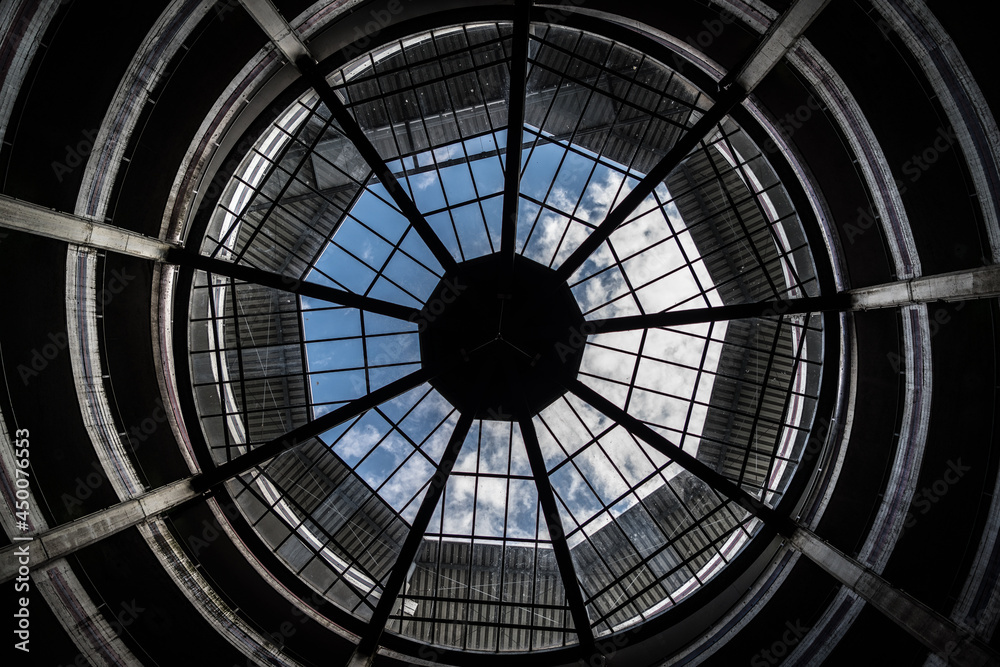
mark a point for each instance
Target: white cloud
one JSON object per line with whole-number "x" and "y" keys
{"x": 424, "y": 181}
{"x": 358, "y": 442}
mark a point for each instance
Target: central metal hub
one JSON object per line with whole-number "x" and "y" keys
{"x": 501, "y": 339}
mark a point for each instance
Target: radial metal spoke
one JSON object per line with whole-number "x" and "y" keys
{"x": 277, "y": 281}
{"x": 978, "y": 283}
{"x": 771, "y": 48}
{"x": 718, "y": 482}
{"x": 309, "y": 430}
{"x": 357, "y": 136}
{"x": 365, "y": 652}
{"x": 550, "y": 510}
{"x": 740, "y": 311}
{"x": 688, "y": 141}
{"x": 515, "y": 125}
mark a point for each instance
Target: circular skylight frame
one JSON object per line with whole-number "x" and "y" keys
{"x": 292, "y": 281}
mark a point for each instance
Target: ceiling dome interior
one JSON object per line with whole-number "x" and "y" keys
{"x": 502, "y": 335}
{"x": 432, "y": 333}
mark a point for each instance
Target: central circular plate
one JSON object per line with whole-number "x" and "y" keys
{"x": 502, "y": 338}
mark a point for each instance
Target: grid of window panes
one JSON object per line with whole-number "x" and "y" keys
{"x": 643, "y": 533}
{"x": 485, "y": 576}
{"x": 339, "y": 521}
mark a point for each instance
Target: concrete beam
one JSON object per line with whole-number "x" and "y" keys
{"x": 979, "y": 283}
{"x": 938, "y": 633}
{"x": 777, "y": 41}
{"x": 83, "y": 532}
{"x": 274, "y": 24}
{"x": 24, "y": 217}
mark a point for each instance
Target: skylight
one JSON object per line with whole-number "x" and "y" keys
{"x": 396, "y": 275}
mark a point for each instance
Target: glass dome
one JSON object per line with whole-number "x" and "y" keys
{"x": 457, "y": 370}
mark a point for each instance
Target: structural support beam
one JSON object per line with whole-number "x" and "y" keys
{"x": 24, "y": 217}
{"x": 515, "y": 124}
{"x": 931, "y": 629}
{"x": 676, "y": 318}
{"x": 283, "y": 36}
{"x": 935, "y": 631}
{"x": 297, "y": 436}
{"x": 979, "y": 283}
{"x": 83, "y": 532}
{"x": 277, "y": 28}
{"x": 368, "y": 644}
{"x": 288, "y": 284}
{"x": 687, "y": 142}
{"x": 771, "y": 49}
{"x": 721, "y": 484}
{"x": 357, "y": 136}
{"x": 560, "y": 547}
{"x": 93, "y": 528}
{"x": 776, "y": 42}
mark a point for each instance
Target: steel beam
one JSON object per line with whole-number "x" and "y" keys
{"x": 932, "y": 629}
{"x": 288, "y": 284}
{"x": 978, "y": 283}
{"x": 274, "y": 24}
{"x": 297, "y": 436}
{"x": 24, "y": 217}
{"x": 687, "y": 142}
{"x": 938, "y": 633}
{"x": 560, "y": 547}
{"x": 738, "y": 311}
{"x": 777, "y": 41}
{"x": 516, "y": 101}
{"x": 349, "y": 126}
{"x": 771, "y": 49}
{"x": 83, "y": 532}
{"x": 298, "y": 54}
{"x": 368, "y": 644}
{"x": 718, "y": 482}
{"x": 311, "y": 429}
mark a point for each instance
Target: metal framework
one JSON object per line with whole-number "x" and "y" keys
{"x": 300, "y": 217}
{"x": 593, "y": 128}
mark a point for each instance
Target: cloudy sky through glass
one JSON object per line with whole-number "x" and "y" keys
{"x": 638, "y": 526}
